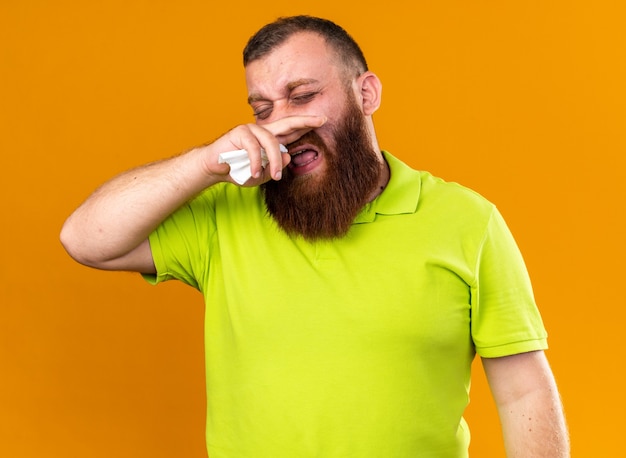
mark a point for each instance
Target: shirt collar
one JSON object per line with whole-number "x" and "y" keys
{"x": 400, "y": 196}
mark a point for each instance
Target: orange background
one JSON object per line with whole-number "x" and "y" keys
{"x": 522, "y": 101}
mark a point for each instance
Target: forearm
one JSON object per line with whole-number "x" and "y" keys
{"x": 534, "y": 427}
{"x": 529, "y": 406}
{"x": 120, "y": 214}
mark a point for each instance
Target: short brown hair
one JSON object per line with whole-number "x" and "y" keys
{"x": 275, "y": 33}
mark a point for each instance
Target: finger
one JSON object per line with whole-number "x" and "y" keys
{"x": 270, "y": 146}
{"x": 242, "y": 137}
{"x": 291, "y": 128}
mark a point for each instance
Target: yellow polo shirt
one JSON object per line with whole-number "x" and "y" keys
{"x": 359, "y": 347}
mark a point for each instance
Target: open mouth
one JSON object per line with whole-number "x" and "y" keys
{"x": 302, "y": 156}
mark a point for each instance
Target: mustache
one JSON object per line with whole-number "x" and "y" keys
{"x": 311, "y": 137}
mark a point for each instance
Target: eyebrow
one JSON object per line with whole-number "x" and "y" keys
{"x": 290, "y": 87}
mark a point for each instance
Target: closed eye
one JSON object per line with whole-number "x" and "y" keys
{"x": 301, "y": 99}
{"x": 262, "y": 112}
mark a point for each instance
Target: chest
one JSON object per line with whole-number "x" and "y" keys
{"x": 412, "y": 287}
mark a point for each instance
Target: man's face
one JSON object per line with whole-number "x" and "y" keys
{"x": 300, "y": 77}
{"x": 334, "y": 169}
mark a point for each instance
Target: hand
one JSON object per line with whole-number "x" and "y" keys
{"x": 253, "y": 138}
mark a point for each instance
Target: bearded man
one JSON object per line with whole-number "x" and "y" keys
{"x": 346, "y": 294}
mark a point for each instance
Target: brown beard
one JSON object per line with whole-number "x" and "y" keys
{"x": 324, "y": 207}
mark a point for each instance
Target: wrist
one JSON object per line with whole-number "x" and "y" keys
{"x": 200, "y": 166}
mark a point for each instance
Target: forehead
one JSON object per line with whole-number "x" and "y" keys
{"x": 303, "y": 56}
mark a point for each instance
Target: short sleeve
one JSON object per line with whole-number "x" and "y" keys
{"x": 181, "y": 244}
{"x": 505, "y": 317}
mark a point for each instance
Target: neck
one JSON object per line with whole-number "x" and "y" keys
{"x": 383, "y": 179}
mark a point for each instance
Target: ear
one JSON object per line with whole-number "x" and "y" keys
{"x": 370, "y": 91}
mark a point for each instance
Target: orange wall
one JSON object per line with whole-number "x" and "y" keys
{"x": 522, "y": 101}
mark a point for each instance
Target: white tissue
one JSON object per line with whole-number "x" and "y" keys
{"x": 239, "y": 162}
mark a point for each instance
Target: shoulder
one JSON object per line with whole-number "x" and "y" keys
{"x": 434, "y": 194}
{"x": 226, "y": 194}
{"x": 438, "y": 191}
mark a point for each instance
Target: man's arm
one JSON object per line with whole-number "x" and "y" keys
{"x": 529, "y": 406}
{"x": 110, "y": 229}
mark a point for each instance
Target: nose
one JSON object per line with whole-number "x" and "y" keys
{"x": 280, "y": 109}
